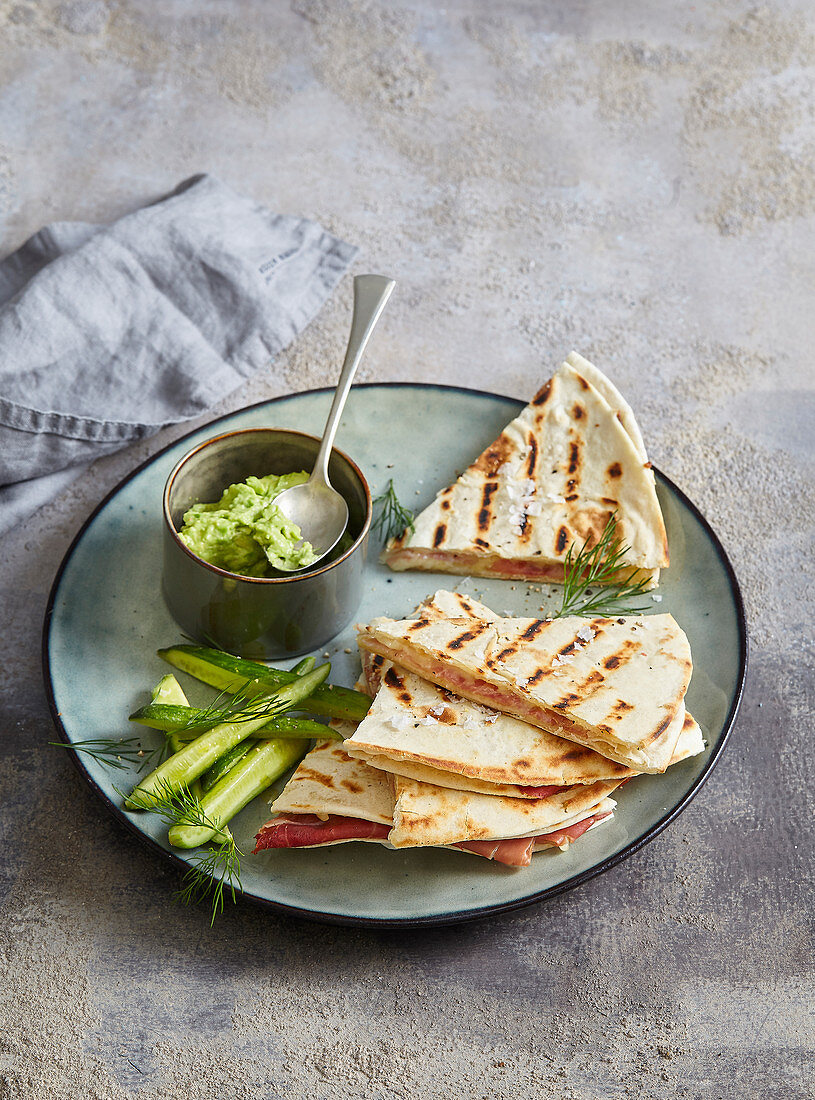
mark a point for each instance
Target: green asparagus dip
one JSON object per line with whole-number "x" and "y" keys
{"x": 245, "y": 532}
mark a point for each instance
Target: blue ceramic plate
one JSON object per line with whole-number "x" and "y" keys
{"x": 106, "y": 619}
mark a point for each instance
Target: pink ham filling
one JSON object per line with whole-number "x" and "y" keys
{"x": 563, "y": 836}
{"x": 473, "y": 687}
{"x": 371, "y": 675}
{"x": 541, "y": 792}
{"x": 308, "y": 831}
{"x": 470, "y": 563}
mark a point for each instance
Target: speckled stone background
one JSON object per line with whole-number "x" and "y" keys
{"x": 634, "y": 180}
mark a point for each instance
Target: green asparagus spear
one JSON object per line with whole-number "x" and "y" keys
{"x": 263, "y": 764}
{"x": 196, "y": 757}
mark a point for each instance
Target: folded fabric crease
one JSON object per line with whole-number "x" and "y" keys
{"x": 110, "y": 333}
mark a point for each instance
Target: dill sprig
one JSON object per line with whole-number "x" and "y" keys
{"x": 214, "y": 870}
{"x": 120, "y": 754}
{"x": 244, "y": 705}
{"x": 393, "y": 518}
{"x": 592, "y": 567}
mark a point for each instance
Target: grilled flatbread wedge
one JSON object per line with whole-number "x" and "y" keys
{"x": 615, "y": 686}
{"x": 425, "y": 814}
{"x": 424, "y": 732}
{"x": 554, "y": 477}
{"x": 421, "y": 731}
{"x": 332, "y": 799}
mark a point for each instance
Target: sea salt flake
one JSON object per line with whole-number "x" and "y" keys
{"x": 400, "y": 721}
{"x": 657, "y": 599}
{"x": 585, "y": 634}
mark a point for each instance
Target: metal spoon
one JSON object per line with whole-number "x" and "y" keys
{"x": 316, "y": 507}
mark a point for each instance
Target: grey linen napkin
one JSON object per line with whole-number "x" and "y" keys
{"x": 109, "y": 333}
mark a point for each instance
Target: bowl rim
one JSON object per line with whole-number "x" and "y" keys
{"x": 288, "y": 579}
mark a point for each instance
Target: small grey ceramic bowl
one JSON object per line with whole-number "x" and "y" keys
{"x": 261, "y": 617}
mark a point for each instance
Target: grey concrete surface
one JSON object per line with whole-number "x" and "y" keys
{"x": 635, "y": 180}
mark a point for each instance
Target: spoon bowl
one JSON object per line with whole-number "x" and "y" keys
{"x": 316, "y": 507}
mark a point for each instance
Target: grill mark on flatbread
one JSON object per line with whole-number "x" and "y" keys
{"x": 562, "y": 539}
{"x": 352, "y": 786}
{"x": 485, "y": 513}
{"x": 574, "y": 457}
{"x": 482, "y": 543}
{"x": 316, "y": 777}
{"x": 615, "y": 470}
{"x": 467, "y": 636}
{"x": 394, "y": 680}
{"x": 578, "y": 412}
{"x": 438, "y": 536}
{"x": 566, "y": 701}
{"x": 625, "y": 652}
{"x": 584, "y": 384}
{"x": 532, "y": 460}
{"x": 542, "y": 396}
{"x": 571, "y": 497}
{"x": 658, "y": 732}
{"x": 589, "y": 525}
{"x": 534, "y": 628}
{"x": 495, "y": 456}
{"x": 445, "y": 504}
{"x": 506, "y": 652}
{"x": 420, "y": 624}
{"x": 575, "y": 753}
{"x": 619, "y": 710}
{"x": 609, "y": 500}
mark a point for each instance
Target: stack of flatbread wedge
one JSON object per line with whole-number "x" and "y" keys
{"x": 497, "y": 736}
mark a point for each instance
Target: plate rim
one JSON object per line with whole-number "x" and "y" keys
{"x": 460, "y": 916}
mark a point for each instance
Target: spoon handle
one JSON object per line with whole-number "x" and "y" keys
{"x": 371, "y": 292}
